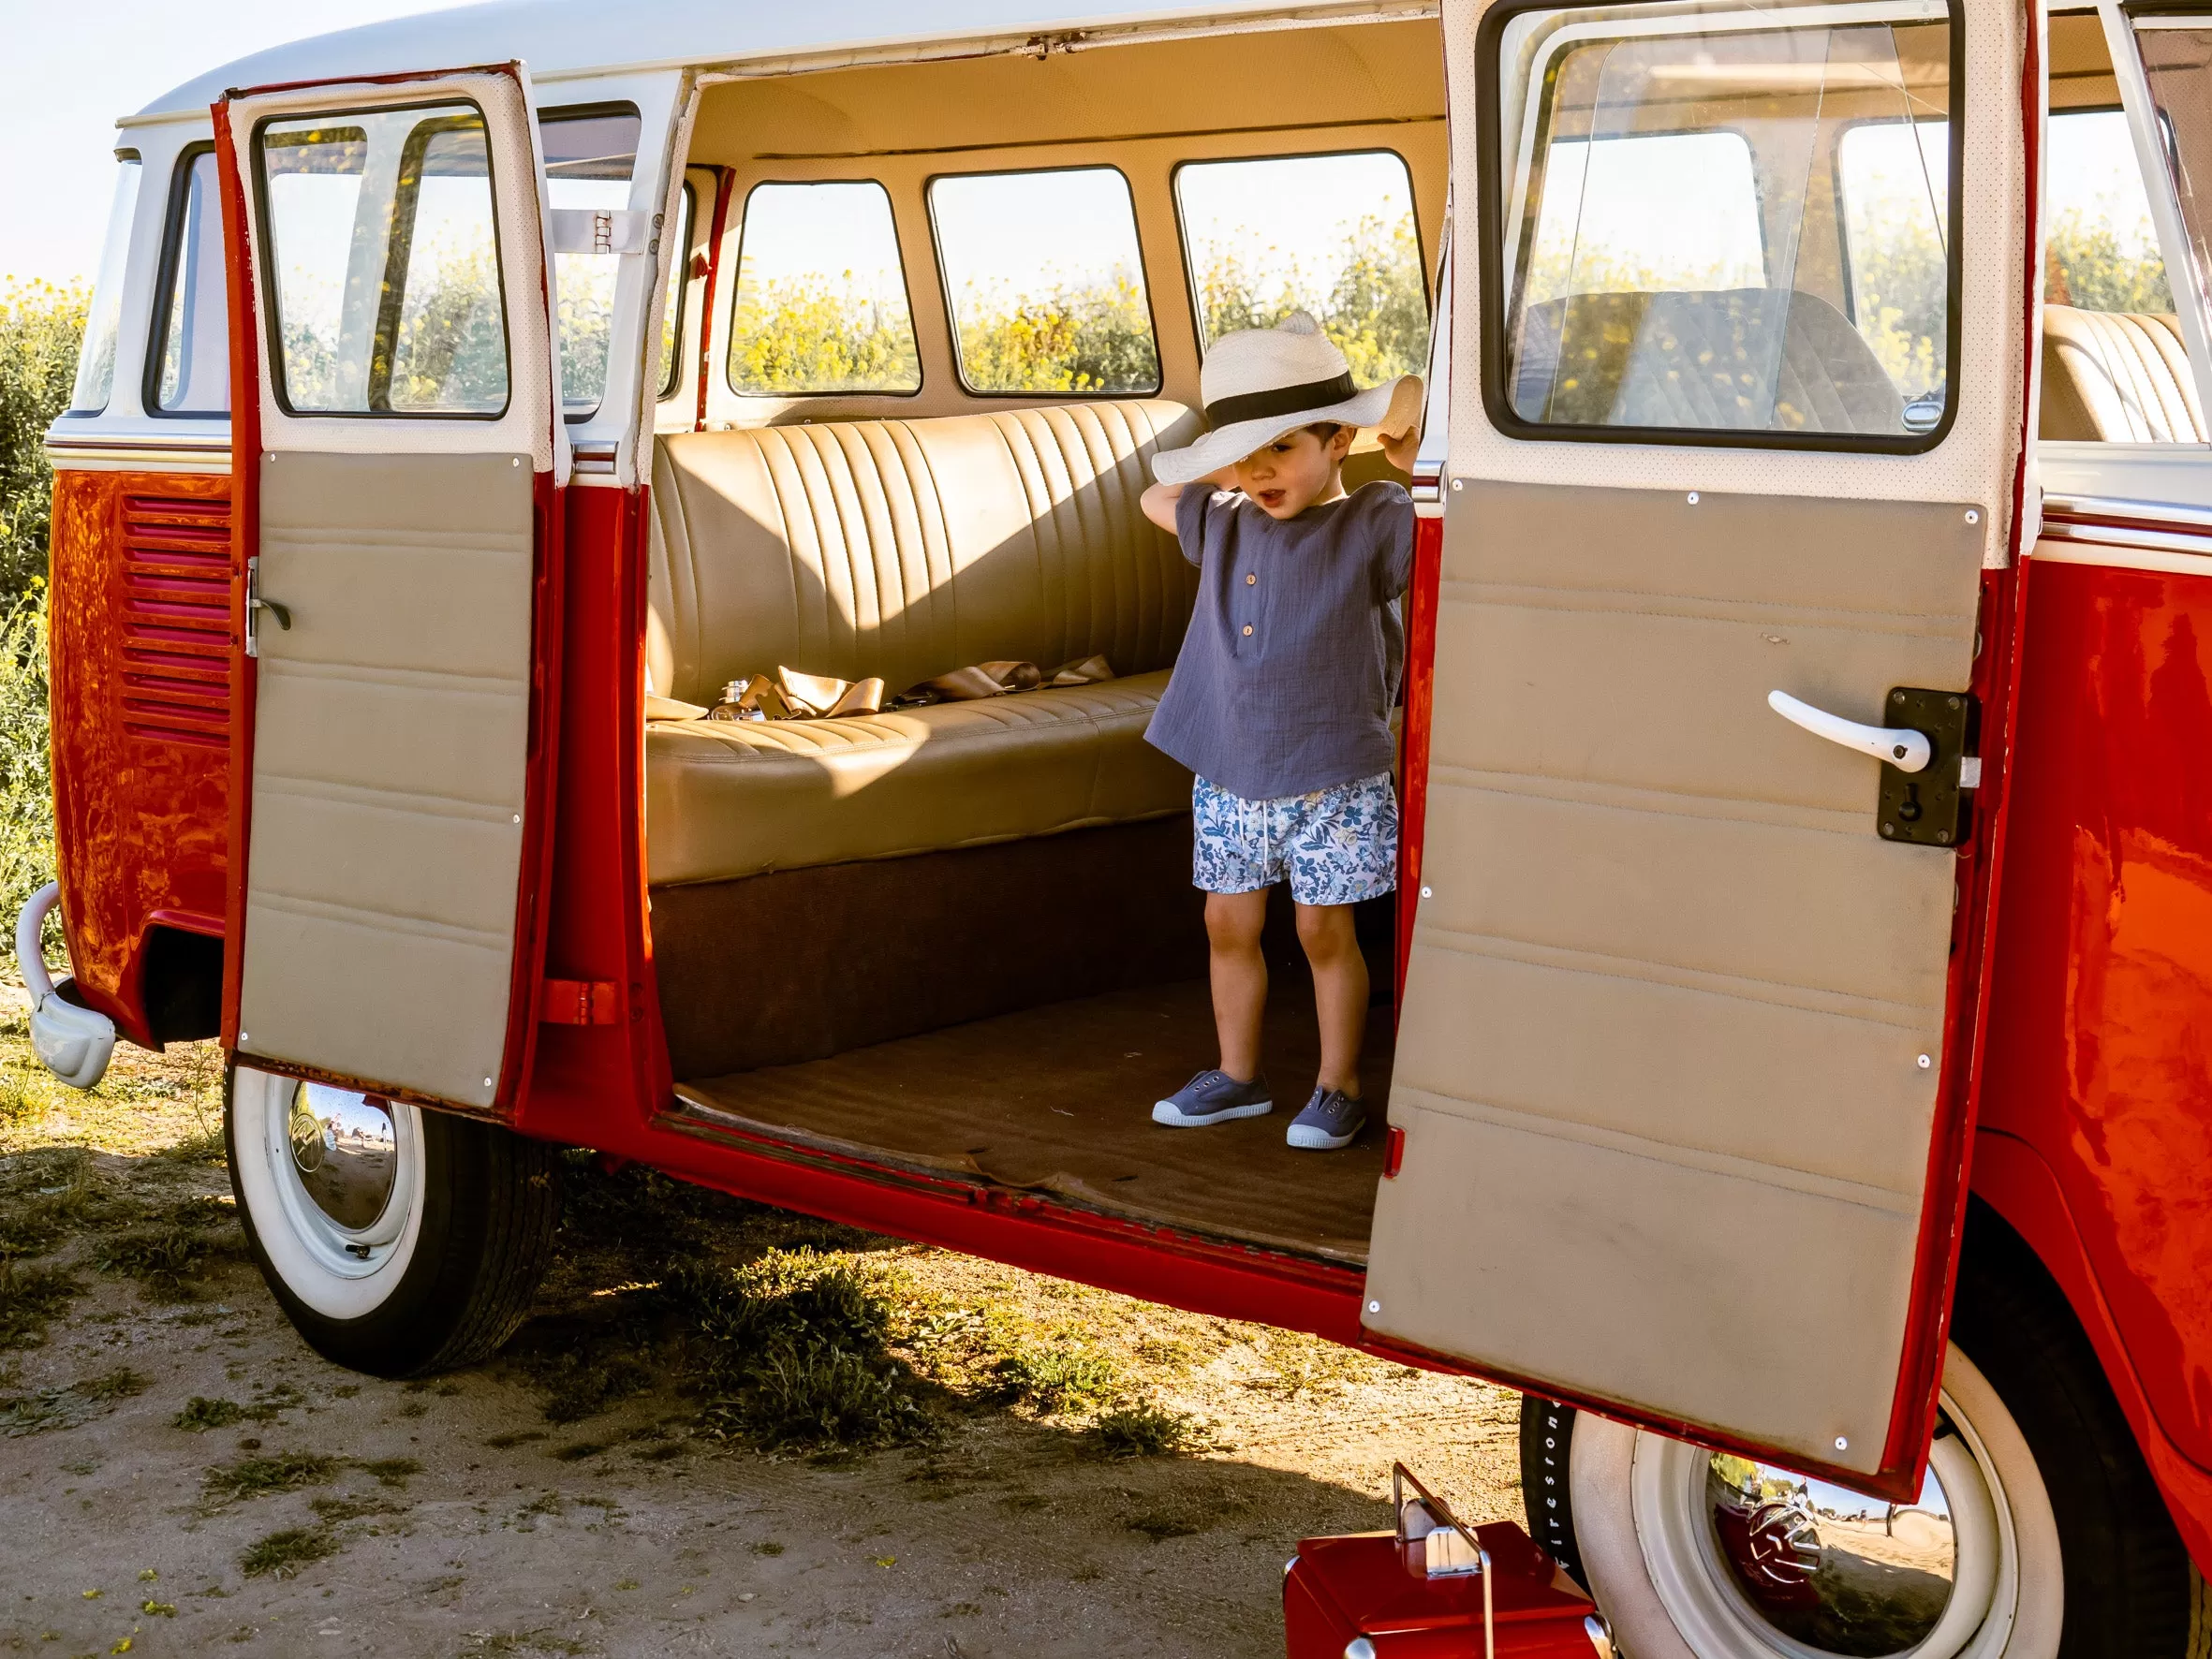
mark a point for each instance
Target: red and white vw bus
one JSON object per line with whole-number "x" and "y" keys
{"x": 1799, "y": 1061}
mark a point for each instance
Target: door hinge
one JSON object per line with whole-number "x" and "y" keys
{"x": 579, "y": 1001}
{"x": 1932, "y": 806}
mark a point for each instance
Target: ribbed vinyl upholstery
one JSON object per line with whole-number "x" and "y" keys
{"x": 2117, "y": 378}
{"x": 1702, "y": 360}
{"x": 901, "y": 550}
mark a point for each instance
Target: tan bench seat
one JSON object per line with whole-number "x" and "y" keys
{"x": 903, "y": 550}
{"x": 727, "y": 799}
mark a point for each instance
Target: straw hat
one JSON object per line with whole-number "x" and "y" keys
{"x": 1260, "y": 383}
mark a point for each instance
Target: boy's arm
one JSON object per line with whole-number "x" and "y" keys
{"x": 1158, "y": 503}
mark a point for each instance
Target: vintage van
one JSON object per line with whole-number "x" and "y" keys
{"x": 1797, "y": 1059}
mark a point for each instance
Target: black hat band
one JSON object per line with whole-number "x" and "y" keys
{"x": 1281, "y": 399}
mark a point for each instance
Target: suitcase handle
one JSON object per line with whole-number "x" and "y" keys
{"x": 1455, "y": 1562}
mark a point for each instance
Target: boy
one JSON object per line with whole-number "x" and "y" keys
{"x": 1281, "y": 696}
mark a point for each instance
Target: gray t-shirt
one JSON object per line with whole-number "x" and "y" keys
{"x": 1286, "y": 675}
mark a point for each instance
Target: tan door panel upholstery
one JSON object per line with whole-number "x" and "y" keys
{"x": 1649, "y": 900}
{"x": 390, "y": 735}
{"x": 2117, "y": 378}
{"x": 902, "y": 550}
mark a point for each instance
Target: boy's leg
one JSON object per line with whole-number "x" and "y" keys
{"x": 1339, "y": 991}
{"x": 1239, "y": 972}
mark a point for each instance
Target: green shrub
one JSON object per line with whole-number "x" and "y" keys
{"x": 1055, "y": 1379}
{"x": 1141, "y": 1431}
{"x": 40, "y": 329}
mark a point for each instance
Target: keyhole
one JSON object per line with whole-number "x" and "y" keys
{"x": 1908, "y": 809}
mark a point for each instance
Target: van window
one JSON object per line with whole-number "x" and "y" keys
{"x": 191, "y": 315}
{"x": 672, "y": 311}
{"x": 1674, "y": 248}
{"x": 95, "y": 359}
{"x": 589, "y": 157}
{"x": 1894, "y": 178}
{"x": 1329, "y": 234}
{"x": 385, "y": 252}
{"x": 822, "y": 294}
{"x": 2101, "y": 252}
{"x": 1045, "y": 282}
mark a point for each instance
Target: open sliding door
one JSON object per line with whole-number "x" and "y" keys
{"x": 1685, "y": 1060}
{"x": 397, "y": 450}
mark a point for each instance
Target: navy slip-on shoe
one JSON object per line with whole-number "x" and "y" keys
{"x": 1213, "y": 1097}
{"x": 1332, "y": 1120}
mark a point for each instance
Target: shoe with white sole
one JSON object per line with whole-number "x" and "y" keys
{"x": 1213, "y": 1097}
{"x": 1332, "y": 1118}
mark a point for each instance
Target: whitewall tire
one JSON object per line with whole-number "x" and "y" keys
{"x": 398, "y": 1241}
{"x": 2040, "y": 1532}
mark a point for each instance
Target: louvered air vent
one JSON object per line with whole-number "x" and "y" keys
{"x": 176, "y": 619}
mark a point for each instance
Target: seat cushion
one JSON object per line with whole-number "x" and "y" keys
{"x": 2117, "y": 378}
{"x": 728, "y": 799}
{"x": 904, "y": 549}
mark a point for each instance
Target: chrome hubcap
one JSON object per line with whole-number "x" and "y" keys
{"x": 1837, "y": 1572}
{"x": 345, "y": 1150}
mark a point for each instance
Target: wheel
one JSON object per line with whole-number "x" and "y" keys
{"x": 2038, "y": 1531}
{"x": 398, "y": 1241}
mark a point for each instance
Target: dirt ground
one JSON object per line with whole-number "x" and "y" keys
{"x": 180, "y": 1474}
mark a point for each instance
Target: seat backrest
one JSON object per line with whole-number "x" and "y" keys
{"x": 1726, "y": 358}
{"x": 2117, "y": 378}
{"x": 904, "y": 549}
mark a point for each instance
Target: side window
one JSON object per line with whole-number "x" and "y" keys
{"x": 2101, "y": 252}
{"x": 386, "y": 258}
{"x": 672, "y": 311}
{"x": 1045, "y": 282}
{"x": 821, "y": 295}
{"x": 95, "y": 359}
{"x": 190, "y": 367}
{"x": 589, "y": 157}
{"x": 1669, "y": 252}
{"x": 1333, "y": 235}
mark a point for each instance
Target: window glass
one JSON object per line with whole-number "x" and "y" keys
{"x": 1045, "y": 282}
{"x": 1333, "y": 235}
{"x": 95, "y": 359}
{"x": 1674, "y": 248}
{"x": 1894, "y": 181}
{"x": 2101, "y": 252}
{"x": 2178, "y": 62}
{"x": 821, "y": 296}
{"x": 385, "y": 256}
{"x": 193, "y": 314}
{"x": 672, "y": 311}
{"x": 589, "y": 158}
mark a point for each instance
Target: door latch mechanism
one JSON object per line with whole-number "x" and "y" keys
{"x": 255, "y": 605}
{"x": 1928, "y": 765}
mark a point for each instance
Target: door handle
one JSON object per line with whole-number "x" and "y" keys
{"x": 1904, "y": 749}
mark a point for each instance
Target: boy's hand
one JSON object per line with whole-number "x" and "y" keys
{"x": 1400, "y": 430}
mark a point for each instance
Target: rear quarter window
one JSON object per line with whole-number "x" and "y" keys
{"x": 1045, "y": 282}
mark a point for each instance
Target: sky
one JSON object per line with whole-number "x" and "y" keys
{"x": 72, "y": 68}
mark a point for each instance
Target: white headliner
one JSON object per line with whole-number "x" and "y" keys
{"x": 566, "y": 38}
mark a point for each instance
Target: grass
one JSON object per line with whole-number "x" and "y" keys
{"x": 284, "y": 1553}
{"x": 256, "y": 1477}
{"x": 1141, "y": 1431}
{"x": 68, "y": 1406}
{"x": 1057, "y": 1379}
{"x": 30, "y": 1296}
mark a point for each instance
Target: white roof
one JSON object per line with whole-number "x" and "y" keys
{"x": 567, "y": 38}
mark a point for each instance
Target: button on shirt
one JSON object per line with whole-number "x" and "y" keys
{"x": 1290, "y": 664}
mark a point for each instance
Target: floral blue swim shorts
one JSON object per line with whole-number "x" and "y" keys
{"x": 1335, "y": 845}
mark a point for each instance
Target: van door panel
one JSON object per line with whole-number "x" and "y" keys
{"x": 391, "y": 727}
{"x": 1686, "y": 1048}
{"x": 1666, "y": 975}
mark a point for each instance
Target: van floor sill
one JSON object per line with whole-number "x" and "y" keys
{"x": 1057, "y": 1100}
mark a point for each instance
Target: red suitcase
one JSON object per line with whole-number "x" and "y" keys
{"x": 1433, "y": 1588}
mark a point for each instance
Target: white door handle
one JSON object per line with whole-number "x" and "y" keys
{"x": 1908, "y": 751}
